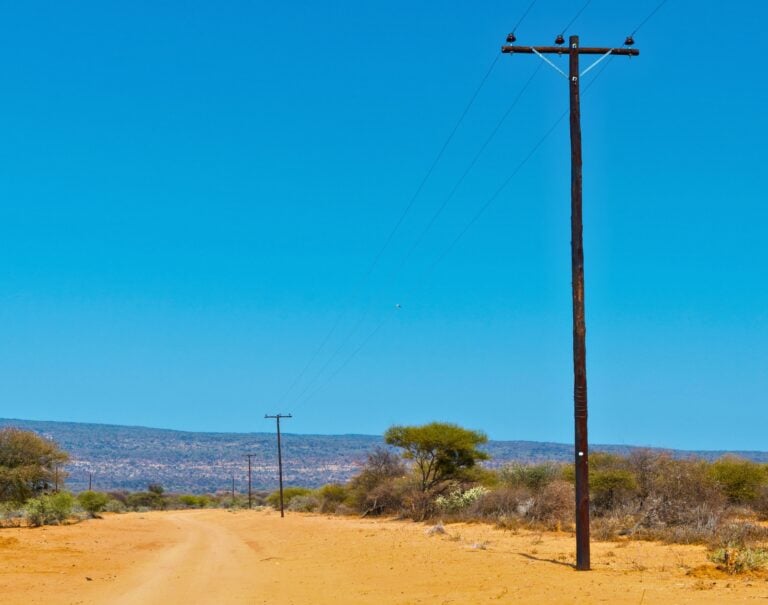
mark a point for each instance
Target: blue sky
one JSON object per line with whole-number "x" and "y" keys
{"x": 191, "y": 194}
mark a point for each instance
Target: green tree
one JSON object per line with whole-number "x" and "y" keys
{"x": 28, "y": 464}
{"x": 440, "y": 451}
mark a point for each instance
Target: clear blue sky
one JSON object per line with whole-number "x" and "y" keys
{"x": 191, "y": 194}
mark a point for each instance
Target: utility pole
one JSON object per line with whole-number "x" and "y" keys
{"x": 277, "y": 417}
{"x": 581, "y": 443}
{"x": 250, "y": 496}
{"x": 90, "y": 481}
{"x": 233, "y": 490}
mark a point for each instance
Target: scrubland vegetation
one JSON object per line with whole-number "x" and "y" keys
{"x": 646, "y": 495}
{"x": 434, "y": 473}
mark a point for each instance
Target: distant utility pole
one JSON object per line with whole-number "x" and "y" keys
{"x": 277, "y": 417}
{"x": 90, "y": 481}
{"x": 250, "y": 494}
{"x": 581, "y": 449}
{"x": 233, "y": 490}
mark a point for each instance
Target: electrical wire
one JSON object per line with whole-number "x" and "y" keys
{"x": 648, "y": 17}
{"x": 576, "y": 16}
{"x": 524, "y": 15}
{"x": 424, "y": 277}
{"x": 394, "y": 230}
{"x": 469, "y": 168}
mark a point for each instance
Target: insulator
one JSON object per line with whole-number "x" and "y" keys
{"x": 512, "y": 37}
{"x": 559, "y": 39}
{"x": 629, "y": 41}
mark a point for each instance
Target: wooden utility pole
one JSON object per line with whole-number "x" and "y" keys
{"x": 233, "y": 490}
{"x": 277, "y": 417}
{"x": 581, "y": 443}
{"x": 90, "y": 481}
{"x": 250, "y": 493}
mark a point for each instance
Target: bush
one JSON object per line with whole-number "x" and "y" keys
{"x": 740, "y": 559}
{"x": 331, "y": 496}
{"x": 193, "y": 501}
{"x": 289, "y": 493}
{"x": 554, "y": 506}
{"x": 533, "y": 476}
{"x": 459, "y": 500}
{"x": 303, "y": 504}
{"x": 45, "y": 510}
{"x": 741, "y": 480}
{"x": 92, "y": 502}
{"x": 115, "y": 506}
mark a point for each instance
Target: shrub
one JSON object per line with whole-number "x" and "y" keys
{"x": 459, "y": 500}
{"x": 740, "y": 559}
{"x": 115, "y": 506}
{"x": 289, "y": 493}
{"x": 303, "y": 504}
{"x": 740, "y": 480}
{"x": 92, "y": 502}
{"x": 532, "y": 476}
{"x": 60, "y": 505}
{"x": 331, "y": 496}
{"x": 555, "y": 505}
{"x": 193, "y": 501}
{"x": 502, "y": 503}
{"x": 611, "y": 488}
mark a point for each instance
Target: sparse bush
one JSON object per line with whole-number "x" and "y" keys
{"x": 611, "y": 488}
{"x": 303, "y": 504}
{"x": 502, "y": 503}
{"x": 554, "y": 506}
{"x": 92, "y": 502}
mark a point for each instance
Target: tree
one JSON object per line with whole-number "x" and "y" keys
{"x": 440, "y": 451}
{"x": 28, "y": 464}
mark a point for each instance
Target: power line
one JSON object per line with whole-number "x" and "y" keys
{"x": 648, "y": 17}
{"x": 576, "y": 16}
{"x": 469, "y": 168}
{"x": 465, "y": 229}
{"x": 524, "y": 15}
{"x": 394, "y": 230}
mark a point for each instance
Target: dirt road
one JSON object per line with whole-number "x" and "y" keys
{"x": 255, "y": 558}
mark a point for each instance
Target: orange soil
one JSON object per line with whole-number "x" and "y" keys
{"x": 218, "y": 557}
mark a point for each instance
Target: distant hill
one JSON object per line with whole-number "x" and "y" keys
{"x": 130, "y": 457}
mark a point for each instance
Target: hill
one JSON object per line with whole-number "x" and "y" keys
{"x": 130, "y": 457}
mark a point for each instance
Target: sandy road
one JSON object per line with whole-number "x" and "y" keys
{"x": 210, "y": 561}
{"x": 215, "y": 557}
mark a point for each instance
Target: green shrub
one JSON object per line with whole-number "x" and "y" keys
{"x": 92, "y": 502}
{"x": 289, "y": 493}
{"x": 48, "y": 509}
{"x": 193, "y": 501}
{"x": 739, "y": 479}
{"x": 532, "y": 476}
{"x": 60, "y": 505}
{"x": 740, "y": 559}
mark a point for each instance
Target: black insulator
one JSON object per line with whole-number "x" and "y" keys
{"x": 629, "y": 41}
{"x": 559, "y": 39}
{"x": 511, "y": 37}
